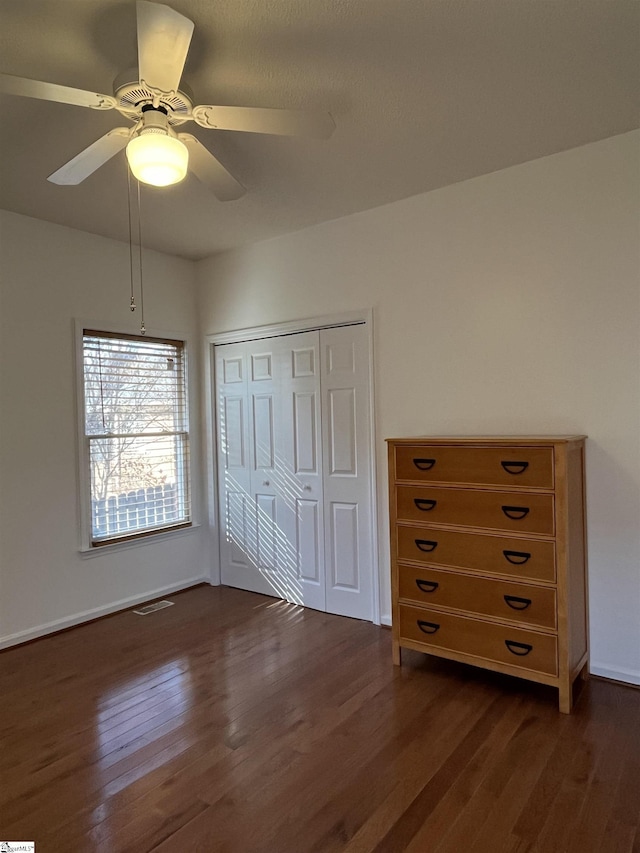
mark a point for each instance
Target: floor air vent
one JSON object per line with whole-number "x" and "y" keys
{"x": 151, "y": 608}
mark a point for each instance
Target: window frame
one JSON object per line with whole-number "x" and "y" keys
{"x": 87, "y": 545}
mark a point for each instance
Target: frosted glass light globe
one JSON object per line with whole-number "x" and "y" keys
{"x": 157, "y": 158}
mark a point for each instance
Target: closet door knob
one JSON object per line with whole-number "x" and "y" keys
{"x": 307, "y": 487}
{"x": 266, "y": 483}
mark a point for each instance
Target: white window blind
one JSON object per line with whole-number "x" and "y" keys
{"x": 136, "y": 435}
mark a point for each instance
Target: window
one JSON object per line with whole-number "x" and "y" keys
{"x": 136, "y": 435}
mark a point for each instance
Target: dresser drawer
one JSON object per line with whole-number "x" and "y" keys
{"x": 515, "y": 646}
{"x": 530, "y": 559}
{"x": 519, "y": 512}
{"x": 529, "y": 605}
{"x": 492, "y": 466}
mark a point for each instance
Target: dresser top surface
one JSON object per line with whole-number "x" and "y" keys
{"x": 541, "y": 440}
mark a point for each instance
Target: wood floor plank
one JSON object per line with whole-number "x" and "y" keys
{"x": 465, "y": 785}
{"x": 599, "y": 795}
{"x": 326, "y": 798}
{"x": 553, "y": 806}
{"x": 554, "y": 809}
{"x": 624, "y": 818}
{"x": 509, "y": 781}
{"x": 526, "y": 774}
{"x": 235, "y": 723}
{"x": 435, "y": 785}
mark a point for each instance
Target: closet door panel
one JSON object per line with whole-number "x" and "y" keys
{"x": 267, "y": 533}
{"x": 233, "y": 432}
{"x": 305, "y": 432}
{"x": 341, "y": 425}
{"x": 345, "y": 560}
{"x": 299, "y": 453}
{"x": 264, "y": 449}
{"x": 237, "y": 543}
{"x": 347, "y": 478}
{"x": 236, "y": 529}
{"x": 308, "y": 514}
{"x": 263, "y": 394}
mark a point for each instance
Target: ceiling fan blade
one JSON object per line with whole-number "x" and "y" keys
{"x": 164, "y": 37}
{"x": 210, "y": 171}
{"x": 86, "y": 162}
{"x": 10, "y": 85}
{"x": 257, "y": 120}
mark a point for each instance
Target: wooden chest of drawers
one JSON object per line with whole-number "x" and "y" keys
{"x": 488, "y": 554}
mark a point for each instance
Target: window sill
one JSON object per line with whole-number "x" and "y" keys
{"x": 150, "y": 539}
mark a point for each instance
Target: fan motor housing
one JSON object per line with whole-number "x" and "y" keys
{"x": 131, "y": 96}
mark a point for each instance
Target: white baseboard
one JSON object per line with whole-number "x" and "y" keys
{"x": 385, "y": 619}
{"x": 628, "y": 676}
{"x": 94, "y": 613}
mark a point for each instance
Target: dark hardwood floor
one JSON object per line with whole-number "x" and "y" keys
{"x": 232, "y": 723}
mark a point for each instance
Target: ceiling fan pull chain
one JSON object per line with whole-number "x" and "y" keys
{"x": 143, "y": 328}
{"x": 133, "y": 299}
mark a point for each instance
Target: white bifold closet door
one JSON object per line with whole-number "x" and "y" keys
{"x": 294, "y": 461}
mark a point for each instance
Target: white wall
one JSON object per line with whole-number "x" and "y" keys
{"x": 505, "y": 304}
{"x": 50, "y": 275}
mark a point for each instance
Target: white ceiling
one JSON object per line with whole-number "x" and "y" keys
{"x": 424, "y": 93}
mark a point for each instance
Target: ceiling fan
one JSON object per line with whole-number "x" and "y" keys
{"x": 153, "y": 98}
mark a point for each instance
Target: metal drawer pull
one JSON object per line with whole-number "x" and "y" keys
{"x": 424, "y": 464}
{"x": 515, "y": 512}
{"x": 517, "y": 558}
{"x": 520, "y": 467}
{"x": 517, "y": 603}
{"x": 519, "y": 649}
{"x": 424, "y": 504}
{"x": 427, "y": 586}
{"x": 427, "y": 627}
{"x": 426, "y": 544}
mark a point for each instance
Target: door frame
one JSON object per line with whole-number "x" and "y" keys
{"x": 347, "y": 318}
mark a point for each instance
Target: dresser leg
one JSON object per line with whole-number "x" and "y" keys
{"x": 396, "y": 653}
{"x": 566, "y": 697}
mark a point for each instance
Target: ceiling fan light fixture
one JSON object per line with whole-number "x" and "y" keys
{"x": 154, "y": 96}
{"x": 157, "y": 159}
{"x": 155, "y": 154}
